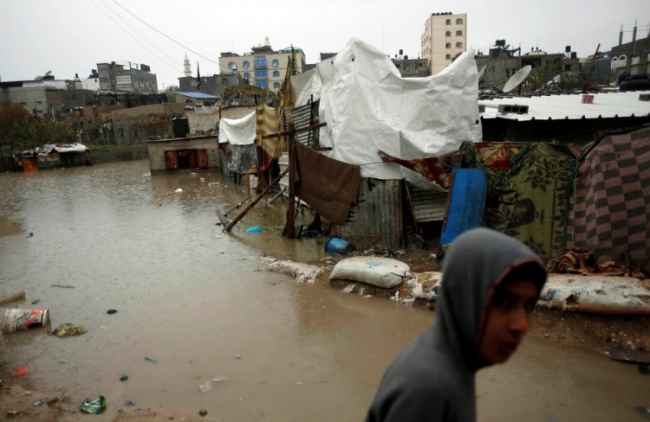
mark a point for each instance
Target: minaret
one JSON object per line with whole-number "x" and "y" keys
{"x": 187, "y": 67}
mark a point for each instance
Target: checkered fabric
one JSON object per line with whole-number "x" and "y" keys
{"x": 611, "y": 210}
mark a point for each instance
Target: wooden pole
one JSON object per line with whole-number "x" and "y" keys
{"x": 242, "y": 213}
{"x": 290, "y": 228}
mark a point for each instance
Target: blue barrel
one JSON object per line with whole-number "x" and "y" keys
{"x": 337, "y": 245}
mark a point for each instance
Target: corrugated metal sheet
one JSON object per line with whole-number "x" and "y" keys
{"x": 305, "y": 116}
{"x": 568, "y": 107}
{"x": 376, "y": 221}
{"x": 428, "y": 204}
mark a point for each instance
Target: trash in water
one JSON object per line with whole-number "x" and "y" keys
{"x": 643, "y": 410}
{"x": 68, "y": 329}
{"x": 129, "y": 403}
{"x": 348, "y": 289}
{"x": 20, "y": 295}
{"x": 203, "y": 412}
{"x": 24, "y": 319}
{"x": 38, "y": 402}
{"x": 210, "y": 384}
{"x": 147, "y": 359}
{"x": 124, "y": 378}
{"x": 31, "y": 234}
{"x": 62, "y": 286}
{"x": 179, "y": 190}
{"x": 21, "y": 370}
{"x": 254, "y": 229}
{"x": 644, "y": 368}
{"x": 94, "y": 407}
{"x": 111, "y": 311}
{"x": 238, "y": 356}
{"x": 338, "y": 245}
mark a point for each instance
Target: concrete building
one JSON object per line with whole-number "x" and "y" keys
{"x": 443, "y": 39}
{"x": 47, "y": 95}
{"x": 411, "y": 68}
{"x": 212, "y": 85}
{"x": 632, "y": 58}
{"x": 115, "y": 77}
{"x": 501, "y": 63}
{"x": 263, "y": 66}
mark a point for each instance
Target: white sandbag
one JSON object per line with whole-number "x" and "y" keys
{"x": 377, "y": 271}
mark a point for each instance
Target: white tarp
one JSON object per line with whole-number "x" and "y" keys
{"x": 238, "y": 131}
{"x": 72, "y": 147}
{"x": 368, "y": 107}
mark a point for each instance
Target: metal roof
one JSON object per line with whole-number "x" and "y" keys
{"x": 197, "y": 95}
{"x": 568, "y": 107}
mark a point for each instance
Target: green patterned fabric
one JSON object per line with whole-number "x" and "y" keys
{"x": 533, "y": 198}
{"x": 529, "y": 201}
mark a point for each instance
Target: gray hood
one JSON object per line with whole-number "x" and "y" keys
{"x": 477, "y": 262}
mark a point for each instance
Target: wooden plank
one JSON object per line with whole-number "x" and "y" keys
{"x": 242, "y": 213}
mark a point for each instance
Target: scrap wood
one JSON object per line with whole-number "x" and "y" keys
{"x": 242, "y": 213}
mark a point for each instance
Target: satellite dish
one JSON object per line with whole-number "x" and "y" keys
{"x": 517, "y": 78}
{"x": 481, "y": 72}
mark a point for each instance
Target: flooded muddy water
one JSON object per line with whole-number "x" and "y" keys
{"x": 194, "y": 305}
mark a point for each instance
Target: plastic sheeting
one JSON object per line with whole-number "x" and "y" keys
{"x": 238, "y": 131}
{"x": 368, "y": 107}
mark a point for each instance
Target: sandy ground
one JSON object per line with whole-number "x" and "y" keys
{"x": 597, "y": 333}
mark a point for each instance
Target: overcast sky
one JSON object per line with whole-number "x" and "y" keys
{"x": 68, "y": 37}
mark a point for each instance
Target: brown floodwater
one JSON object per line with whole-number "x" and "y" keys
{"x": 193, "y": 305}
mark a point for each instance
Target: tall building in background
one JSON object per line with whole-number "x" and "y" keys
{"x": 444, "y": 39}
{"x": 129, "y": 77}
{"x": 263, "y": 66}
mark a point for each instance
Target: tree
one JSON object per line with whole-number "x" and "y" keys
{"x": 21, "y": 130}
{"x": 11, "y": 116}
{"x": 170, "y": 92}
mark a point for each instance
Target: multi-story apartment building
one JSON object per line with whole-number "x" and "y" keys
{"x": 443, "y": 39}
{"x": 263, "y": 66}
{"x": 119, "y": 78}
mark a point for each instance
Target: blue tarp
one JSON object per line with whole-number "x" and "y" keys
{"x": 466, "y": 203}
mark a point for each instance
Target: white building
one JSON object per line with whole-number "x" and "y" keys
{"x": 443, "y": 39}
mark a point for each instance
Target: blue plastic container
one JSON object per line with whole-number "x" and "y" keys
{"x": 337, "y": 245}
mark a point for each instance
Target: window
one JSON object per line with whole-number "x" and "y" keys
{"x": 275, "y": 63}
{"x": 448, "y": 45}
{"x": 123, "y": 79}
{"x": 448, "y": 56}
{"x": 459, "y": 33}
{"x": 260, "y": 63}
{"x": 261, "y": 74}
{"x": 448, "y": 34}
{"x": 247, "y": 76}
{"x": 276, "y": 85}
{"x": 448, "y": 22}
{"x": 459, "y": 21}
{"x": 262, "y": 84}
{"x": 276, "y": 73}
{"x": 246, "y": 64}
{"x": 459, "y": 45}
{"x": 232, "y": 66}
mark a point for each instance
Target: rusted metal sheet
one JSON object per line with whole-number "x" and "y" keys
{"x": 428, "y": 204}
{"x": 376, "y": 221}
{"x": 202, "y": 158}
{"x": 171, "y": 160}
